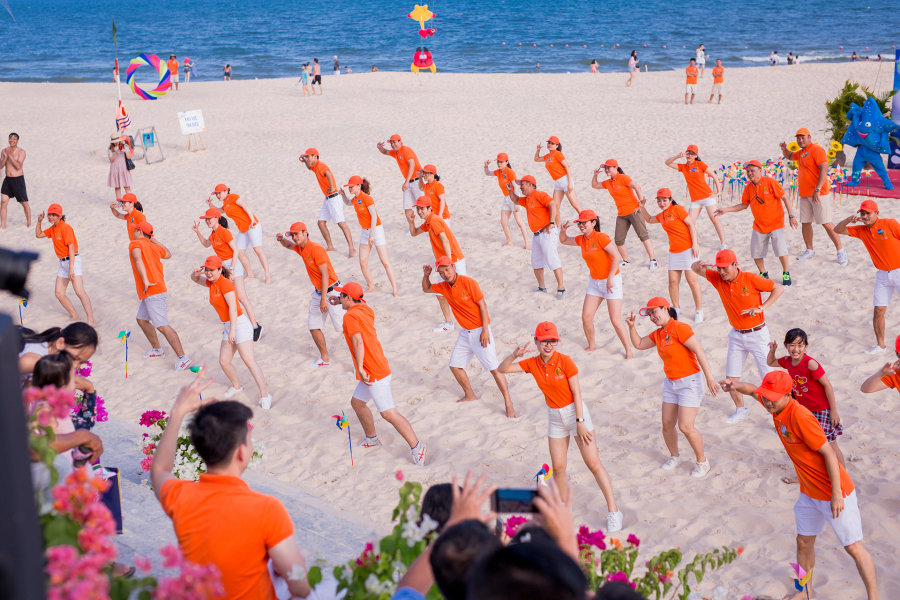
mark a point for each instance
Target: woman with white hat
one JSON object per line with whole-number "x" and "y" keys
{"x": 119, "y": 175}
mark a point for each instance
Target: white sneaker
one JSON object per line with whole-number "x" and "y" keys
{"x": 614, "y": 521}
{"x": 560, "y": 294}
{"x": 807, "y": 254}
{"x": 876, "y": 349}
{"x": 538, "y": 289}
{"x": 266, "y": 403}
{"x": 671, "y": 464}
{"x": 183, "y": 363}
{"x": 698, "y": 316}
{"x": 232, "y": 391}
{"x": 677, "y": 312}
{"x": 653, "y": 264}
{"x": 842, "y": 258}
{"x": 700, "y": 469}
{"x": 369, "y": 442}
{"x": 624, "y": 263}
{"x": 154, "y": 352}
{"x": 419, "y": 457}
{"x": 443, "y": 327}
{"x": 739, "y": 415}
{"x": 319, "y": 363}
{"x": 723, "y": 247}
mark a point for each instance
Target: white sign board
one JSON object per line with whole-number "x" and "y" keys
{"x": 191, "y": 121}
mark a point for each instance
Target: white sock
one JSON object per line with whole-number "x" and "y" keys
{"x": 414, "y": 448}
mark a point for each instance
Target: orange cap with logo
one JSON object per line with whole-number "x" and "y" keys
{"x": 355, "y": 180}
{"x": 297, "y": 227}
{"x": 310, "y": 152}
{"x": 129, "y": 197}
{"x": 611, "y": 163}
{"x": 503, "y": 156}
{"x": 802, "y": 131}
{"x": 586, "y": 215}
{"x": 396, "y": 138}
{"x": 775, "y": 385}
{"x": 352, "y": 289}
{"x": 145, "y": 227}
{"x": 869, "y": 206}
{"x": 444, "y": 261}
{"x": 55, "y": 209}
{"x": 212, "y": 213}
{"x": 693, "y": 148}
{"x": 553, "y": 140}
{"x": 658, "y": 302}
{"x": 663, "y": 193}
{"x": 221, "y": 188}
{"x": 213, "y": 262}
{"x": 546, "y": 331}
{"x": 530, "y": 179}
{"x": 430, "y": 169}
{"x": 755, "y": 163}
{"x": 423, "y": 201}
{"x": 725, "y": 258}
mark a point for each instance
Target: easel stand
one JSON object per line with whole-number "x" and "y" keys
{"x": 195, "y": 142}
{"x": 147, "y": 138}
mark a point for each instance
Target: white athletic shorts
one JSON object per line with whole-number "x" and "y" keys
{"x": 544, "y": 254}
{"x": 234, "y": 265}
{"x": 740, "y": 345}
{"x": 681, "y": 261}
{"x": 243, "y": 331}
{"x": 711, "y": 201}
{"x": 886, "y": 283}
{"x": 379, "y": 392}
{"x": 509, "y": 205}
{"x": 717, "y": 89}
{"x": 561, "y": 421}
{"x": 468, "y": 346}
{"x": 562, "y": 183}
{"x": 153, "y": 308}
{"x": 64, "y": 268}
{"x": 252, "y": 237}
{"x": 318, "y": 318}
{"x": 173, "y": 77}
{"x": 332, "y": 209}
{"x": 687, "y": 391}
{"x": 811, "y": 516}
{"x": 597, "y": 287}
{"x": 378, "y": 236}
{"x": 411, "y": 195}
{"x": 690, "y": 88}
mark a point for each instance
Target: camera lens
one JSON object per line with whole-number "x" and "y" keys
{"x": 14, "y": 268}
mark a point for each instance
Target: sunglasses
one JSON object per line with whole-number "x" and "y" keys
{"x": 548, "y": 342}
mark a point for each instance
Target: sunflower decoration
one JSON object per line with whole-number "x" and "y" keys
{"x": 793, "y": 147}
{"x": 831, "y": 153}
{"x": 836, "y": 146}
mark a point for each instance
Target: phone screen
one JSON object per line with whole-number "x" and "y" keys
{"x": 512, "y": 500}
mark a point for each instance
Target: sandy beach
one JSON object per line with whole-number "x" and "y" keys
{"x": 256, "y": 131}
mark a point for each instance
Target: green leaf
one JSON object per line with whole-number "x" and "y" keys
{"x": 60, "y": 531}
{"x": 314, "y": 576}
{"x": 388, "y": 545}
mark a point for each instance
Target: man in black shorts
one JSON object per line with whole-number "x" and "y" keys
{"x": 317, "y": 76}
{"x": 14, "y": 183}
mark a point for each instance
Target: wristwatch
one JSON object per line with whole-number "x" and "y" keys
{"x": 817, "y": 190}
{"x": 577, "y": 420}
{"x": 790, "y": 216}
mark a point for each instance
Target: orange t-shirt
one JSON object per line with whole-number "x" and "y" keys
{"x": 552, "y": 377}
{"x": 220, "y": 239}
{"x": 808, "y": 161}
{"x": 672, "y": 221}
{"x": 435, "y": 226}
{"x": 313, "y": 257}
{"x": 360, "y": 318}
{"x": 505, "y": 176}
{"x": 599, "y": 262}
{"x": 624, "y": 197}
{"x": 204, "y": 515}
{"x": 537, "y": 208}
{"x": 695, "y": 176}
{"x": 463, "y": 297}
{"x": 62, "y": 235}
{"x": 892, "y": 381}
{"x": 132, "y": 220}
{"x": 433, "y": 190}
{"x": 764, "y": 199}
{"x": 802, "y": 437}
{"x": 151, "y": 256}
{"x": 173, "y": 66}
{"x": 217, "y": 293}
{"x": 678, "y": 361}
{"x": 237, "y": 214}
{"x": 741, "y": 294}
{"x": 319, "y": 170}
{"x": 553, "y": 162}
{"x": 718, "y": 73}
{"x": 403, "y": 156}
{"x": 361, "y": 205}
{"x": 691, "y": 73}
{"x": 882, "y": 240}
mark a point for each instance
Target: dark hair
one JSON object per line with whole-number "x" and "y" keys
{"x": 531, "y": 533}
{"x": 218, "y": 429}
{"x": 424, "y": 48}
{"x": 223, "y": 222}
{"x": 76, "y": 335}
{"x": 437, "y": 503}
{"x": 796, "y": 334}
{"x": 316, "y": 60}
{"x": 13, "y": 134}
{"x": 419, "y": 49}
{"x": 596, "y": 224}
{"x": 673, "y": 313}
{"x": 693, "y": 60}
{"x": 437, "y": 177}
{"x": 226, "y": 273}
{"x": 619, "y": 169}
{"x": 139, "y": 206}
{"x": 534, "y": 571}
{"x": 559, "y": 147}
{"x": 352, "y": 299}
{"x": 365, "y": 187}
{"x": 53, "y": 369}
{"x": 455, "y": 553}
{"x": 634, "y": 53}
{"x": 617, "y": 590}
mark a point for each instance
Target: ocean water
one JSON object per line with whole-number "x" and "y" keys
{"x": 67, "y": 40}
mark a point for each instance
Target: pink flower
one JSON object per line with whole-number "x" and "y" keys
{"x": 194, "y": 582}
{"x": 85, "y": 369}
{"x": 748, "y": 597}
{"x": 587, "y": 538}
{"x": 146, "y": 463}
{"x": 143, "y": 564}
{"x": 171, "y": 556}
{"x": 620, "y": 576}
{"x": 150, "y": 417}
{"x": 102, "y": 415}
{"x": 512, "y": 525}
{"x": 74, "y": 577}
{"x": 633, "y": 540}
{"x": 399, "y": 475}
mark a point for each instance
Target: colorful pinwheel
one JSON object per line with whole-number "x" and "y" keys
{"x": 124, "y": 335}
{"x": 802, "y": 579}
{"x": 545, "y": 473}
{"x": 342, "y": 423}
{"x": 22, "y": 302}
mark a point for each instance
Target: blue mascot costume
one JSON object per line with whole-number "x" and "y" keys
{"x": 869, "y": 132}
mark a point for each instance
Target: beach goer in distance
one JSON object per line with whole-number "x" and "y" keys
{"x": 790, "y": 58}
{"x": 250, "y": 232}
{"x": 134, "y": 212}
{"x": 594, "y": 66}
{"x": 690, "y": 88}
{"x": 812, "y": 186}
{"x": 337, "y": 66}
{"x": 695, "y": 172}
{"x": 188, "y": 68}
{"x": 774, "y": 59}
{"x": 718, "y": 81}
{"x": 11, "y": 158}
{"x": 332, "y": 206}
{"x": 317, "y": 76}
{"x": 374, "y": 69}
{"x": 701, "y": 59}
{"x": 881, "y": 237}
{"x": 886, "y": 377}
{"x": 173, "y": 70}
{"x": 410, "y": 168}
{"x": 505, "y": 175}
{"x": 632, "y": 67}
{"x": 542, "y": 212}
{"x": 605, "y": 280}
{"x": 765, "y": 197}
{"x": 683, "y": 359}
{"x": 70, "y": 265}
{"x": 827, "y": 494}
{"x": 226, "y": 73}
{"x": 347, "y": 70}
{"x": 627, "y": 195}
{"x": 119, "y": 175}
{"x": 854, "y": 57}
{"x": 304, "y": 79}
{"x": 372, "y": 231}
{"x": 684, "y": 249}
{"x": 559, "y": 170}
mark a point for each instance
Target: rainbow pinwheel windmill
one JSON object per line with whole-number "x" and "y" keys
{"x": 22, "y": 302}
{"x": 124, "y": 335}
{"x": 342, "y": 423}
{"x": 802, "y": 579}
{"x": 545, "y": 473}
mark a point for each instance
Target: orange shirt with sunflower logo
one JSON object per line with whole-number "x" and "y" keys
{"x": 552, "y": 377}
{"x": 695, "y": 177}
{"x": 505, "y": 176}
{"x": 62, "y": 235}
{"x": 678, "y": 360}
{"x": 220, "y": 239}
{"x": 553, "y": 162}
{"x": 882, "y": 240}
{"x": 592, "y": 251}
{"x": 433, "y": 190}
{"x": 626, "y": 201}
{"x": 237, "y": 214}
{"x": 672, "y": 221}
{"x": 809, "y": 160}
{"x": 537, "y": 209}
{"x": 314, "y": 256}
{"x": 741, "y": 294}
{"x": 691, "y": 73}
{"x": 463, "y": 297}
{"x": 718, "y": 73}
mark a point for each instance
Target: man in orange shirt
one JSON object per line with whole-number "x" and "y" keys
{"x": 373, "y": 373}
{"x": 886, "y": 377}
{"x": 219, "y": 520}
{"x": 443, "y": 243}
{"x": 741, "y": 296}
{"x": 475, "y": 338}
{"x": 173, "y": 70}
{"x": 321, "y": 274}
{"x": 542, "y": 211}
{"x": 332, "y": 207}
{"x": 718, "y": 81}
{"x": 812, "y": 185}
{"x": 827, "y": 494}
{"x": 690, "y": 88}
{"x": 881, "y": 237}
{"x": 765, "y": 197}
{"x": 146, "y": 255}
{"x": 409, "y": 169}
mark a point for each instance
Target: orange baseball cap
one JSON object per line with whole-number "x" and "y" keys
{"x": 352, "y": 289}
{"x": 867, "y": 205}
{"x": 586, "y": 215}
{"x": 897, "y": 344}
{"x": 693, "y": 148}
{"x": 423, "y": 201}
{"x": 529, "y": 179}
{"x": 430, "y": 169}
{"x": 725, "y": 258}
{"x": 297, "y": 227}
{"x": 775, "y": 385}
{"x": 659, "y": 301}
{"x": 802, "y": 131}
{"x": 611, "y": 163}
{"x": 553, "y": 139}
{"x": 355, "y": 180}
{"x": 663, "y": 193}
{"x": 129, "y": 197}
{"x": 212, "y": 213}
{"x": 54, "y": 209}
{"x": 755, "y": 163}
{"x": 546, "y": 331}
{"x": 444, "y": 261}
{"x": 503, "y": 156}
{"x": 396, "y": 138}
{"x": 221, "y": 188}
{"x": 145, "y": 227}
{"x": 310, "y": 152}
{"x": 213, "y": 262}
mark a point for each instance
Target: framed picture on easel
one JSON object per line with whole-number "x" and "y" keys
{"x": 192, "y": 125}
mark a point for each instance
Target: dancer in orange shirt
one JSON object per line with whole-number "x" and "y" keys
{"x": 66, "y": 247}
{"x": 627, "y": 195}
{"x": 409, "y": 168}
{"x": 332, "y": 209}
{"x": 505, "y": 175}
{"x": 695, "y": 172}
{"x": 249, "y": 228}
{"x": 134, "y": 212}
{"x": 690, "y": 88}
{"x": 372, "y": 230}
{"x": 718, "y": 81}
{"x": 559, "y": 170}
{"x": 431, "y": 187}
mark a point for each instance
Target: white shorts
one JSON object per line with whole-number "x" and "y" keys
{"x": 681, "y": 261}
{"x": 173, "y": 77}
{"x": 243, "y": 331}
{"x": 379, "y": 392}
{"x": 468, "y": 346}
{"x": 687, "y": 391}
{"x": 154, "y": 309}
{"x": 811, "y": 516}
{"x": 544, "y": 254}
{"x": 378, "y": 236}
{"x": 317, "y": 318}
{"x": 886, "y": 283}
{"x": 597, "y": 287}
{"x": 562, "y": 183}
{"x": 717, "y": 89}
{"x": 690, "y": 88}
{"x": 252, "y": 237}
{"x": 234, "y": 265}
{"x": 64, "y": 268}
{"x": 410, "y": 196}
{"x": 740, "y": 345}
{"x": 509, "y": 205}
{"x": 561, "y": 421}
{"x": 332, "y": 209}
{"x": 711, "y": 201}
{"x": 460, "y": 266}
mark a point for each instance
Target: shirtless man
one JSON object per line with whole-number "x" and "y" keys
{"x": 317, "y": 76}
{"x": 14, "y": 182}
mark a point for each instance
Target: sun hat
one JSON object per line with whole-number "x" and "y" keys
{"x": 352, "y": 289}
{"x": 115, "y": 137}
{"x": 529, "y": 179}
{"x": 355, "y": 180}
{"x": 725, "y": 258}
{"x": 423, "y": 201}
{"x": 663, "y": 193}
{"x": 693, "y": 148}
{"x": 213, "y": 262}
{"x": 297, "y": 227}
{"x": 553, "y": 140}
{"x": 586, "y": 215}
{"x": 212, "y": 213}
{"x": 55, "y": 209}
{"x": 775, "y": 385}
{"x": 869, "y": 206}
{"x": 503, "y": 156}
{"x": 145, "y": 227}
{"x": 546, "y": 331}
{"x": 658, "y": 302}
{"x": 802, "y": 131}
{"x": 221, "y": 188}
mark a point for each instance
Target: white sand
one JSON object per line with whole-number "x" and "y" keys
{"x": 256, "y": 131}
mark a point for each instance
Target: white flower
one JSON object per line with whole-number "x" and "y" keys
{"x": 348, "y": 574}
{"x": 373, "y": 585}
{"x": 428, "y": 524}
{"x": 413, "y": 534}
{"x": 298, "y": 573}
{"x": 720, "y": 593}
{"x": 412, "y": 513}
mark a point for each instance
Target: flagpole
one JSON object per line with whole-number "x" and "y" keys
{"x": 118, "y": 74}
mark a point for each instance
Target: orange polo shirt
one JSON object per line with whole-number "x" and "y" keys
{"x": 553, "y": 162}
{"x": 626, "y": 201}
{"x": 695, "y": 177}
{"x": 313, "y": 257}
{"x": 237, "y": 214}
{"x": 220, "y": 238}
{"x": 173, "y": 66}
{"x": 741, "y": 294}
{"x": 432, "y": 191}
{"x": 892, "y": 381}
{"x": 678, "y": 361}
{"x": 592, "y": 251}
{"x": 435, "y": 226}
{"x": 217, "y": 293}
{"x": 691, "y": 73}
{"x": 882, "y": 240}
{"x": 537, "y": 209}
{"x": 808, "y": 161}
{"x": 552, "y": 377}
{"x": 132, "y": 220}
{"x": 151, "y": 256}
{"x": 718, "y": 73}
{"x": 360, "y": 318}
{"x": 505, "y": 176}
{"x": 672, "y": 221}
{"x": 764, "y": 199}
{"x": 463, "y": 298}
{"x": 361, "y": 205}
{"x": 319, "y": 170}
{"x": 61, "y": 235}
{"x": 403, "y": 156}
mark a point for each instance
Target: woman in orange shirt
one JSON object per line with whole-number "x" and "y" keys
{"x": 431, "y": 186}
{"x": 238, "y": 332}
{"x": 683, "y": 358}
{"x": 557, "y": 377}
{"x": 66, "y": 247}
{"x": 695, "y": 172}
{"x": 558, "y": 167}
{"x": 134, "y": 212}
{"x": 605, "y": 283}
{"x": 224, "y": 246}
{"x": 249, "y": 228}
{"x": 372, "y": 231}
{"x": 627, "y": 195}
{"x": 505, "y": 175}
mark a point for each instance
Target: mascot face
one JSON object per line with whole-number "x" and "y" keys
{"x": 868, "y": 127}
